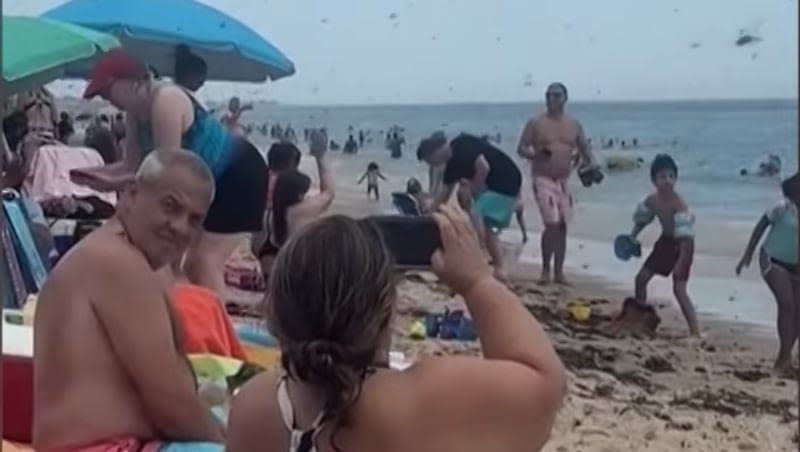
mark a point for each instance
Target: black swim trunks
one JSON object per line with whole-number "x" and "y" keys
{"x": 240, "y": 197}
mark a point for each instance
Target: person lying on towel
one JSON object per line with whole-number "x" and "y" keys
{"x": 110, "y": 372}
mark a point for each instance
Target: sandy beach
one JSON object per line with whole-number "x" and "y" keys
{"x": 664, "y": 394}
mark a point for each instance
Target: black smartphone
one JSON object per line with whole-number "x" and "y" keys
{"x": 411, "y": 239}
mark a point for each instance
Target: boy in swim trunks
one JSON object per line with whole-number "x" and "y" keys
{"x": 674, "y": 250}
{"x": 493, "y": 179}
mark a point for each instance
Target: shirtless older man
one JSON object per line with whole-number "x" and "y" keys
{"x": 109, "y": 371}
{"x": 550, "y": 141}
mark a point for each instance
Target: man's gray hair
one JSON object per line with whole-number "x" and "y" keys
{"x": 158, "y": 161}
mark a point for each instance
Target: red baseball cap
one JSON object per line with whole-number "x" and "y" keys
{"x": 114, "y": 65}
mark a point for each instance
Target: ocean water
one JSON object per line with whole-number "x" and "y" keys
{"x": 712, "y": 141}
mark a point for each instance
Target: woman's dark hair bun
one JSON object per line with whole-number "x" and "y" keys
{"x": 321, "y": 356}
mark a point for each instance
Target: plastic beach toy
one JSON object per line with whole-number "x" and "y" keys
{"x": 579, "y": 311}
{"x": 417, "y": 330}
{"x": 626, "y": 247}
{"x": 255, "y": 335}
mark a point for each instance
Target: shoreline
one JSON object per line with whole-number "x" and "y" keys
{"x": 718, "y": 294}
{"x": 268, "y": 102}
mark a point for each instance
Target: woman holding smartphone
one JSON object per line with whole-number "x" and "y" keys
{"x": 331, "y": 305}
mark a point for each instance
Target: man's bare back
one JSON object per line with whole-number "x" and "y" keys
{"x": 79, "y": 378}
{"x": 555, "y": 142}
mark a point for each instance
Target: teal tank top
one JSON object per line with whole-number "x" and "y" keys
{"x": 206, "y": 137}
{"x": 781, "y": 242}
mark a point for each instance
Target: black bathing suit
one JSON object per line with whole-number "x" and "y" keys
{"x": 268, "y": 248}
{"x": 791, "y": 268}
{"x": 304, "y": 440}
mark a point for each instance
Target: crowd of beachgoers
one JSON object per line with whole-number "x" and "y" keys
{"x": 495, "y": 358}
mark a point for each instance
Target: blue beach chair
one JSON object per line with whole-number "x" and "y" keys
{"x": 18, "y": 226}
{"x": 15, "y": 290}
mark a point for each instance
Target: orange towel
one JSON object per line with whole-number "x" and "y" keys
{"x": 206, "y": 326}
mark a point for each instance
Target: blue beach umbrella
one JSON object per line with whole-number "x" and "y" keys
{"x": 151, "y": 30}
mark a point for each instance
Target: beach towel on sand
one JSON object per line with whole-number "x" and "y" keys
{"x": 49, "y": 174}
{"x": 206, "y": 326}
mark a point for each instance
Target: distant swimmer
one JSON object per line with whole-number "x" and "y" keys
{"x": 350, "y": 146}
{"x": 230, "y": 119}
{"x": 372, "y": 175}
{"x": 550, "y": 141}
{"x": 769, "y": 167}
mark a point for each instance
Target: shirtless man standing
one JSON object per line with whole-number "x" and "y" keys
{"x": 550, "y": 141}
{"x": 109, "y": 369}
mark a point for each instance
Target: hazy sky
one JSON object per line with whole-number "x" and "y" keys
{"x": 432, "y": 51}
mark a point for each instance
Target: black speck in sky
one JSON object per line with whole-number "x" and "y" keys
{"x": 747, "y": 39}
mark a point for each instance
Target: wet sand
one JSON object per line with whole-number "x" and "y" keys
{"x": 664, "y": 394}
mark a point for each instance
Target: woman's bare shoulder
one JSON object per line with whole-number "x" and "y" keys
{"x": 253, "y": 394}
{"x": 254, "y": 419}
{"x": 172, "y": 95}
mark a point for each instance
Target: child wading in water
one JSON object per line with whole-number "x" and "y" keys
{"x": 778, "y": 262}
{"x": 674, "y": 250}
{"x": 372, "y": 174}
